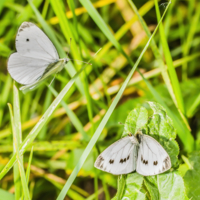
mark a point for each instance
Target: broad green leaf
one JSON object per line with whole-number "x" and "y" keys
{"x": 133, "y": 188}
{"x": 166, "y": 186}
{"x": 136, "y": 119}
{"x": 192, "y": 177}
{"x": 6, "y": 195}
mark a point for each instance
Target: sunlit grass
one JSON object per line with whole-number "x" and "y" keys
{"x": 51, "y": 137}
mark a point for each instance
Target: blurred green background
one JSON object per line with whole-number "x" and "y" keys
{"x": 172, "y": 77}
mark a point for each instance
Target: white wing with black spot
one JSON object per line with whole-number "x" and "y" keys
{"x": 120, "y": 157}
{"x": 32, "y": 42}
{"x": 152, "y": 157}
{"x": 34, "y": 53}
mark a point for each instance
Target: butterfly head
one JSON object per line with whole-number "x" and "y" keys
{"x": 66, "y": 60}
{"x": 130, "y": 134}
{"x": 139, "y": 135}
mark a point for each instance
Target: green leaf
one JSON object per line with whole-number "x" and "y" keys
{"x": 166, "y": 186}
{"x": 192, "y": 177}
{"x": 133, "y": 188}
{"x": 136, "y": 119}
{"x": 6, "y": 195}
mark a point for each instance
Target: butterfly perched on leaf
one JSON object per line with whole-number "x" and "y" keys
{"x": 36, "y": 57}
{"x": 138, "y": 152}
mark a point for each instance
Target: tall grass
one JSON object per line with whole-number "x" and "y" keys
{"x": 56, "y": 131}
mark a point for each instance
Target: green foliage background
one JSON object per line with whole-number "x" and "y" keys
{"x": 50, "y": 137}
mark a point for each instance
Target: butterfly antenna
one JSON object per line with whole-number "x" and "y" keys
{"x": 89, "y": 60}
{"x": 81, "y": 61}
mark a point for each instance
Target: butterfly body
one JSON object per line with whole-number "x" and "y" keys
{"x": 36, "y": 57}
{"x": 134, "y": 152}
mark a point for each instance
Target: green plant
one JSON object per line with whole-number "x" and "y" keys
{"x": 56, "y": 132}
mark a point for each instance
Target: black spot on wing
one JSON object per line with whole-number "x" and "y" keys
{"x": 122, "y": 160}
{"x": 27, "y": 39}
{"x": 100, "y": 159}
{"x": 145, "y": 162}
{"x": 167, "y": 162}
{"x": 155, "y": 162}
{"x": 26, "y": 24}
{"x": 111, "y": 161}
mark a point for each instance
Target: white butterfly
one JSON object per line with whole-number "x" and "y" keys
{"x": 134, "y": 152}
{"x": 36, "y": 57}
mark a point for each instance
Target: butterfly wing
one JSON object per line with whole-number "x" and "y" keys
{"x": 152, "y": 157}
{"x": 32, "y": 42}
{"x": 26, "y": 70}
{"x": 35, "y": 52}
{"x": 120, "y": 157}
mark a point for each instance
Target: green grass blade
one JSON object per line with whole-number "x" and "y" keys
{"x": 34, "y": 132}
{"x": 102, "y": 25}
{"x": 68, "y": 33}
{"x": 28, "y": 168}
{"x": 19, "y": 160}
{"x": 169, "y": 61}
{"x": 84, "y": 77}
{"x": 74, "y": 119}
{"x": 64, "y": 23}
{"x": 193, "y": 107}
{"x": 4, "y": 95}
{"x": 2, "y": 5}
{"x": 17, "y": 140}
{"x": 125, "y": 28}
{"x": 102, "y": 124}
{"x": 29, "y": 165}
{"x": 190, "y": 37}
{"x": 93, "y": 196}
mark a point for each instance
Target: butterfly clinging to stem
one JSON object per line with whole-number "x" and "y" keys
{"x": 138, "y": 152}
